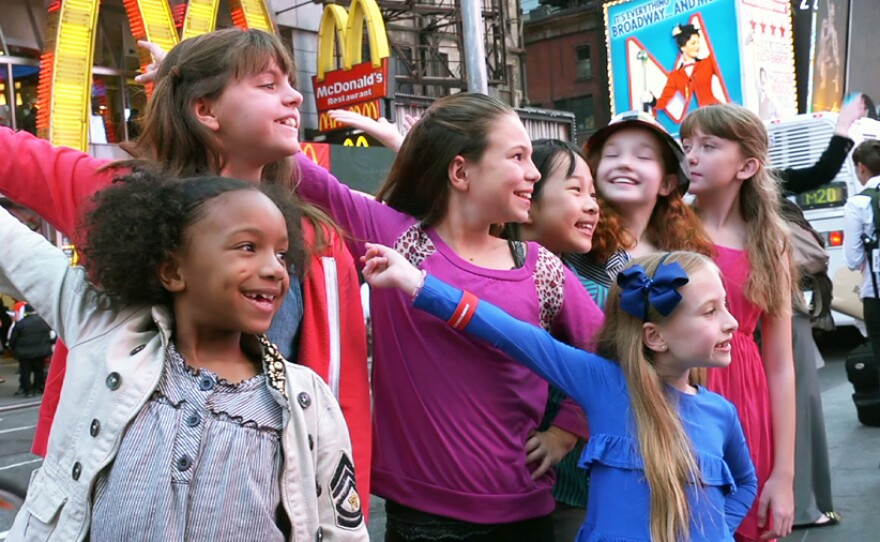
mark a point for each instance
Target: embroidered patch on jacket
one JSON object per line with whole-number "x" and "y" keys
{"x": 273, "y": 363}
{"x": 343, "y": 491}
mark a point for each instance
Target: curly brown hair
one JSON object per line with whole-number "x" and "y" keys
{"x": 673, "y": 224}
{"x": 136, "y": 224}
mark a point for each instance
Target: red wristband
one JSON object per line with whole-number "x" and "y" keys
{"x": 465, "y": 310}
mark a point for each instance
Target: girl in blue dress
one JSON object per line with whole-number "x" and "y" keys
{"x": 668, "y": 460}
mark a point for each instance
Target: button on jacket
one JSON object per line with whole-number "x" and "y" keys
{"x": 114, "y": 365}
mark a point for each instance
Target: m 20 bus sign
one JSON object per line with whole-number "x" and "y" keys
{"x": 357, "y": 85}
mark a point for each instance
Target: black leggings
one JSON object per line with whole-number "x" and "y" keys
{"x": 405, "y": 524}
{"x": 28, "y": 367}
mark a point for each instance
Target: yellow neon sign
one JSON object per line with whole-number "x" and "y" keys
{"x": 349, "y": 27}
{"x": 64, "y": 91}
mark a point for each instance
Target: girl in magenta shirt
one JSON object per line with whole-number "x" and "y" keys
{"x": 452, "y": 414}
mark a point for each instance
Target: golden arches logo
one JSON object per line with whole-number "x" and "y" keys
{"x": 349, "y": 27}
{"x": 360, "y": 142}
{"x": 64, "y": 91}
{"x": 309, "y": 152}
{"x": 368, "y": 109}
{"x": 357, "y": 85}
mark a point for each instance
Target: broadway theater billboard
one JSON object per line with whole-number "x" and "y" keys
{"x": 671, "y": 57}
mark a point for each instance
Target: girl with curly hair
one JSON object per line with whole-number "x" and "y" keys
{"x": 223, "y": 103}
{"x": 179, "y": 419}
{"x": 737, "y": 198}
{"x": 641, "y": 179}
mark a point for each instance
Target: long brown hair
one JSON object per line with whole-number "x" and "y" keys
{"x": 456, "y": 125}
{"x": 767, "y": 234}
{"x": 201, "y": 67}
{"x": 670, "y": 463}
{"x": 197, "y": 68}
{"x": 673, "y": 225}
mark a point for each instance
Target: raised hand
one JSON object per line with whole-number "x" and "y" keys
{"x": 381, "y": 129}
{"x": 386, "y": 268}
{"x": 158, "y": 54}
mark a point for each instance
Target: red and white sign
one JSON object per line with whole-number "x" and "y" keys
{"x": 343, "y": 88}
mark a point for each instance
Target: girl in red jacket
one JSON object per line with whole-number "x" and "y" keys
{"x": 223, "y": 103}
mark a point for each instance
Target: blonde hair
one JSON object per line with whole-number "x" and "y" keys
{"x": 767, "y": 234}
{"x": 669, "y": 460}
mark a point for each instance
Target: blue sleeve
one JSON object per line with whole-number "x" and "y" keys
{"x": 736, "y": 454}
{"x": 580, "y": 374}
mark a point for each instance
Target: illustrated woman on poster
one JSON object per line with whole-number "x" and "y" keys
{"x": 828, "y": 57}
{"x": 692, "y": 76}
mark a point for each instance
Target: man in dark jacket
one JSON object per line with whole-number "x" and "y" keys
{"x": 31, "y": 341}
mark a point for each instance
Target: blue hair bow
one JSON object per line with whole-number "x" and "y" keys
{"x": 638, "y": 290}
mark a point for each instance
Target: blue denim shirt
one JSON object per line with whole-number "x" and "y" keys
{"x": 285, "y": 326}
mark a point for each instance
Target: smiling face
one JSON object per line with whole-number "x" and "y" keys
{"x": 256, "y": 117}
{"x": 230, "y": 274}
{"x": 563, "y": 218}
{"x": 631, "y": 171}
{"x": 501, "y": 182}
{"x": 699, "y": 331}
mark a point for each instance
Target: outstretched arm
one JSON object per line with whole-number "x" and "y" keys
{"x": 33, "y": 269}
{"x": 568, "y": 368}
{"x": 381, "y": 129}
{"x": 777, "y": 496}
{"x": 52, "y": 181}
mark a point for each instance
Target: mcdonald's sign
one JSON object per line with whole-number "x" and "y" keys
{"x": 64, "y": 92}
{"x": 360, "y": 142}
{"x": 357, "y": 85}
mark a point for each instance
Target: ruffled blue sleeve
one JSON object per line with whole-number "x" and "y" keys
{"x": 736, "y": 454}
{"x": 576, "y": 372}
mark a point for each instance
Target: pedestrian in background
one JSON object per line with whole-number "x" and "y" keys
{"x": 31, "y": 341}
{"x": 860, "y": 235}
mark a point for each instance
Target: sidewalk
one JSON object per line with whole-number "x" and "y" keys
{"x": 854, "y": 451}
{"x": 8, "y": 370}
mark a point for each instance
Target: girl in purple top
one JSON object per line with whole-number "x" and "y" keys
{"x": 452, "y": 414}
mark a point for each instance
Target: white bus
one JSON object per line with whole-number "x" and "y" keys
{"x": 799, "y": 142}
